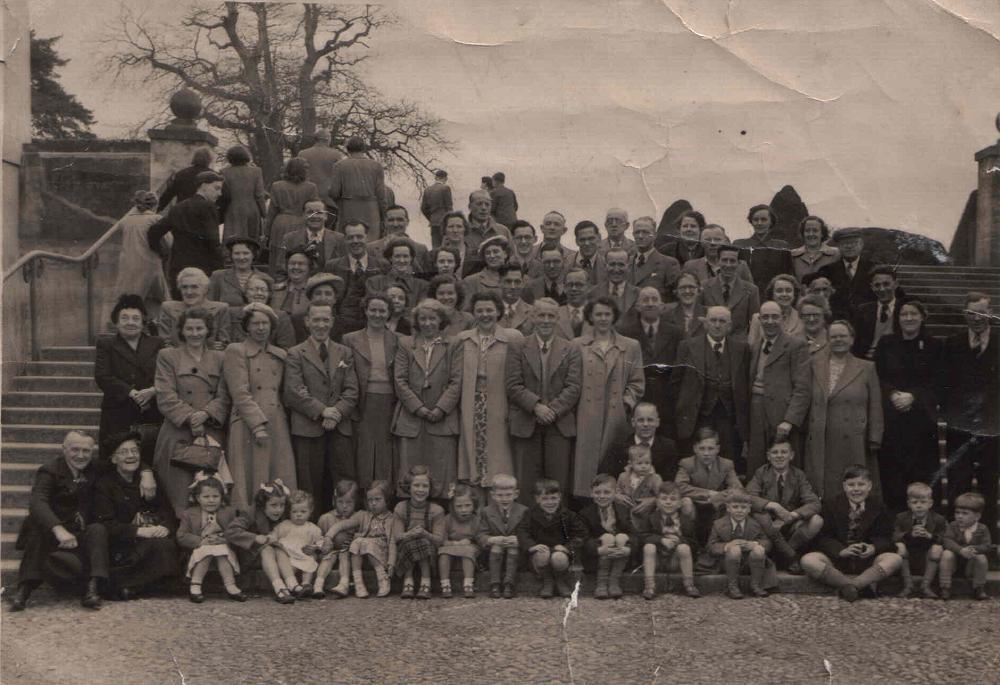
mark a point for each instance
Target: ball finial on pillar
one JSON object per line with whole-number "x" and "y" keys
{"x": 186, "y": 106}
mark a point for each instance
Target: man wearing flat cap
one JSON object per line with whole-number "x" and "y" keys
{"x": 194, "y": 224}
{"x": 321, "y": 288}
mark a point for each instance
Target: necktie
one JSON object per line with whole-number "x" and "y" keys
{"x": 358, "y": 269}
{"x": 640, "y": 261}
{"x": 738, "y": 533}
{"x": 883, "y": 313}
{"x": 668, "y": 521}
{"x": 850, "y": 268}
{"x": 323, "y": 353}
{"x": 781, "y": 489}
{"x": 577, "y": 319}
{"x": 644, "y": 443}
{"x": 977, "y": 343}
{"x": 717, "y": 347}
{"x": 585, "y": 263}
{"x": 650, "y": 333}
{"x": 767, "y": 347}
{"x": 505, "y": 514}
{"x": 545, "y": 347}
{"x": 726, "y": 291}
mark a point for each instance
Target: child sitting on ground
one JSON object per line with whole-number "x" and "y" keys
{"x": 704, "y": 479}
{"x": 336, "y": 552}
{"x": 919, "y": 535}
{"x": 667, "y": 535}
{"x": 375, "y": 539}
{"x": 638, "y": 483}
{"x": 966, "y": 543}
{"x": 202, "y": 530}
{"x": 254, "y": 535}
{"x": 418, "y": 532}
{"x": 461, "y": 531}
{"x": 298, "y": 542}
{"x": 611, "y": 539}
{"x": 552, "y": 536}
{"x": 737, "y": 541}
{"x": 498, "y": 534}
{"x": 784, "y": 504}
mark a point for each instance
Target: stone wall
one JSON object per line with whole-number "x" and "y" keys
{"x": 75, "y": 190}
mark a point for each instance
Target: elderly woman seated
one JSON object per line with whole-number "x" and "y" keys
{"x": 140, "y": 526}
{"x": 193, "y": 285}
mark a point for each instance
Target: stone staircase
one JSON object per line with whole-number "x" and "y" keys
{"x": 50, "y": 397}
{"x": 942, "y": 289}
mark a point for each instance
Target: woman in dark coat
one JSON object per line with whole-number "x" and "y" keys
{"x": 242, "y": 199}
{"x": 907, "y": 363}
{"x": 124, "y": 370}
{"x": 140, "y": 529}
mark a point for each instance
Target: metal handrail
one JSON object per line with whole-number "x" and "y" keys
{"x": 55, "y": 256}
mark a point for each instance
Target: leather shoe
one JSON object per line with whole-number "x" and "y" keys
{"x": 236, "y": 596}
{"x": 20, "y": 600}
{"x": 91, "y": 599}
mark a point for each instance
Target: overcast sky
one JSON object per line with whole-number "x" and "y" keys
{"x": 872, "y": 109}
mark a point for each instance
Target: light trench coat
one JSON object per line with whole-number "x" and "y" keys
{"x": 612, "y": 386}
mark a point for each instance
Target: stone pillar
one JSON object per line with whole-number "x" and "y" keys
{"x": 172, "y": 146}
{"x": 986, "y": 249}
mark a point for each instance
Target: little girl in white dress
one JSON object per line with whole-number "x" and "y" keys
{"x": 298, "y": 542}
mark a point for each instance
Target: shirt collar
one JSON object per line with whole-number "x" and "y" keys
{"x": 638, "y": 440}
{"x": 363, "y": 261}
{"x": 712, "y": 342}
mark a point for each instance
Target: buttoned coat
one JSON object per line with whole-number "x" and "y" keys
{"x": 612, "y": 385}
{"x": 189, "y": 526}
{"x": 692, "y": 358}
{"x": 791, "y": 325}
{"x": 842, "y": 423}
{"x": 254, "y": 377}
{"x": 744, "y": 300}
{"x": 658, "y": 271}
{"x": 521, "y": 319}
{"x": 185, "y": 385}
{"x": 358, "y": 342}
{"x": 767, "y": 258}
{"x": 242, "y": 201}
{"x": 805, "y": 263}
{"x": 787, "y": 380}
{"x": 598, "y": 271}
{"x": 874, "y": 527}
{"x": 311, "y": 386}
{"x": 357, "y": 186}
{"x": 224, "y": 286}
{"x": 437, "y": 385}
{"x": 564, "y": 323}
{"x": 954, "y": 540}
{"x": 171, "y": 310}
{"x": 194, "y": 224}
{"x": 321, "y": 159}
{"x": 499, "y": 458}
{"x": 56, "y": 499}
{"x": 561, "y": 385}
{"x": 492, "y": 523}
{"x": 534, "y": 289}
{"x": 436, "y": 202}
{"x": 722, "y": 532}
{"x": 119, "y": 370}
{"x": 849, "y": 293}
{"x": 333, "y": 246}
{"x": 696, "y": 480}
{"x": 797, "y": 495}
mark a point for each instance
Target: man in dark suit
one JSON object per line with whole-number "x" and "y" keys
{"x": 970, "y": 404}
{"x": 553, "y": 229}
{"x": 355, "y": 268}
{"x": 649, "y": 267}
{"x": 872, "y": 320}
{"x": 517, "y": 313}
{"x": 849, "y": 274}
{"x": 318, "y": 242}
{"x": 571, "y": 323}
{"x": 194, "y": 224}
{"x": 435, "y": 203}
{"x": 397, "y": 220}
{"x": 647, "y": 431}
{"x": 550, "y": 283}
{"x": 767, "y": 255}
{"x": 504, "y": 199}
{"x": 322, "y": 158}
{"x": 713, "y": 386}
{"x": 617, "y": 286}
{"x": 184, "y": 183}
{"x": 543, "y": 386}
{"x": 59, "y": 538}
{"x": 659, "y": 340}
{"x": 780, "y": 387}
{"x": 321, "y": 391}
{"x": 728, "y": 290}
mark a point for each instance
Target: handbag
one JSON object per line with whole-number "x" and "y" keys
{"x": 198, "y": 455}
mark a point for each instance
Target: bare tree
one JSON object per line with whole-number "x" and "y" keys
{"x": 269, "y": 74}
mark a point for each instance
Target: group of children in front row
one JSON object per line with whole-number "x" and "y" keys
{"x": 636, "y": 519}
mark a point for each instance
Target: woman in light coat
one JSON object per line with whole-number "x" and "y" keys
{"x": 428, "y": 375}
{"x": 845, "y": 416}
{"x": 613, "y": 384}
{"x": 260, "y": 446}
{"x": 484, "y": 448}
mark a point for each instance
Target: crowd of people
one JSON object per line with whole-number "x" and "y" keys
{"x": 670, "y": 400}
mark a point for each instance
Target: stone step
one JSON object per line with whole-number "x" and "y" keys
{"x": 55, "y": 398}
{"x": 7, "y": 550}
{"x": 76, "y": 368}
{"x": 49, "y": 415}
{"x": 15, "y": 473}
{"x": 14, "y": 496}
{"x": 55, "y": 384}
{"x": 10, "y": 518}
{"x": 69, "y": 354}
{"x": 923, "y": 268}
{"x": 29, "y": 453}
{"x": 38, "y": 433}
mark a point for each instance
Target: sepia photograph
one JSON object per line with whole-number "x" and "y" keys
{"x": 568, "y": 341}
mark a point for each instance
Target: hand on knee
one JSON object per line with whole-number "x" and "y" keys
{"x": 621, "y": 540}
{"x": 559, "y": 561}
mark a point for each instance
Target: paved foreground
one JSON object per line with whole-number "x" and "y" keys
{"x": 782, "y": 639}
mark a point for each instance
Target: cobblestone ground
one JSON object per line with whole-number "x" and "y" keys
{"x": 782, "y": 639}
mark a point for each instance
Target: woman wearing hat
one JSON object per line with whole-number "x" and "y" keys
{"x": 229, "y": 285}
{"x": 242, "y": 199}
{"x": 493, "y": 252}
{"x": 140, "y": 270}
{"x": 140, "y": 528}
{"x": 321, "y": 288}
{"x": 259, "y": 445}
